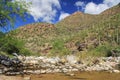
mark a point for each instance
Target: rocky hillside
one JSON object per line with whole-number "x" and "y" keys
{"x": 78, "y": 33}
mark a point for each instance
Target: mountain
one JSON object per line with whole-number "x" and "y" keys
{"x": 112, "y": 11}
{"x": 77, "y": 20}
{"x": 78, "y": 33}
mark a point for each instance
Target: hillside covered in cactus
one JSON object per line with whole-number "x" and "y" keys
{"x": 80, "y": 33}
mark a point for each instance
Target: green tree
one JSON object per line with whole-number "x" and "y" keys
{"x": 11, "y": 45}
{"x": 9, "y": 9}
{"x": 2, "y": 34}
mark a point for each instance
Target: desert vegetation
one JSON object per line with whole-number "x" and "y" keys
{"x": 92, "y": 35}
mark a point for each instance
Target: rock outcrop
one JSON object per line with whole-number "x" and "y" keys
{"x": 70, "y": 63}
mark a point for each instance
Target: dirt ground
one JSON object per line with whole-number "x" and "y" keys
{"x": 61, "y": 76}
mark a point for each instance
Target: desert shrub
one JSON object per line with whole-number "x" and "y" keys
{"x": 25, "y": 52}
{"x": 116, "y": 53}
{"x": 58, "y": 44}
{"x": 101, "y": 50}
{"x": 59, "y": 47}
{"x": 11, "y": 45}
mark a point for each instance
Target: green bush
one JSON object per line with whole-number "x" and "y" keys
{"x": 117, "y": 51}
{"x": 59, "y": 47}
{"x": 101, "y": 50}
{"x": 11, "y": 45}
{"x": 25, "y": 52}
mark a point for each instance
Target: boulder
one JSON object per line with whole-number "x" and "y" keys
{"x": 117, "y": 66}
{"x": 71, "y": 59}
{"x": 116, "y": 71}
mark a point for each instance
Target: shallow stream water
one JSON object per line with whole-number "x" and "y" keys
{"x": 62, "y": 76}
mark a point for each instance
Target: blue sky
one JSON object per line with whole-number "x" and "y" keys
{"x": 52, "y": 11}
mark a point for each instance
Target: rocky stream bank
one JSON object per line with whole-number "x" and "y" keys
{"x": 66, "y": 64}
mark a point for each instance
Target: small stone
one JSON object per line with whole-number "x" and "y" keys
{"x": 71, "y": 59}
{"x": 72, "y": 74}
{"x": 29, "y": 71}
{"x": 1, "y": 71}
{"x": 65, "y": 70}
{"x": 57, "y": 70}
{"x": 43, "y": 71}
{"x": 74, "y": 69}
{"x": 117, "y": 66}
{"x": 37, "y": 72}
{"x": 27, "y": 78}
{"x": 49, "y": 71}
{"x": 116, "y": 71}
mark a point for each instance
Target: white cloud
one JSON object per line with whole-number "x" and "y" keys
{"x": 44, "y": 10}
{"x": 63, "y": 15}
{"x": 79, "y": 3}
{"x": 111, "y": 3}
{"x": 93, "y": 8}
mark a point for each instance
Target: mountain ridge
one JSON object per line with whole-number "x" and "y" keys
{"x": 77, "y": 32}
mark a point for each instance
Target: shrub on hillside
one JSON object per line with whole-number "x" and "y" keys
{"x": 115, "y": 52}
{"x": 59, "y": 47}
{"x": 11, "y": 45}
